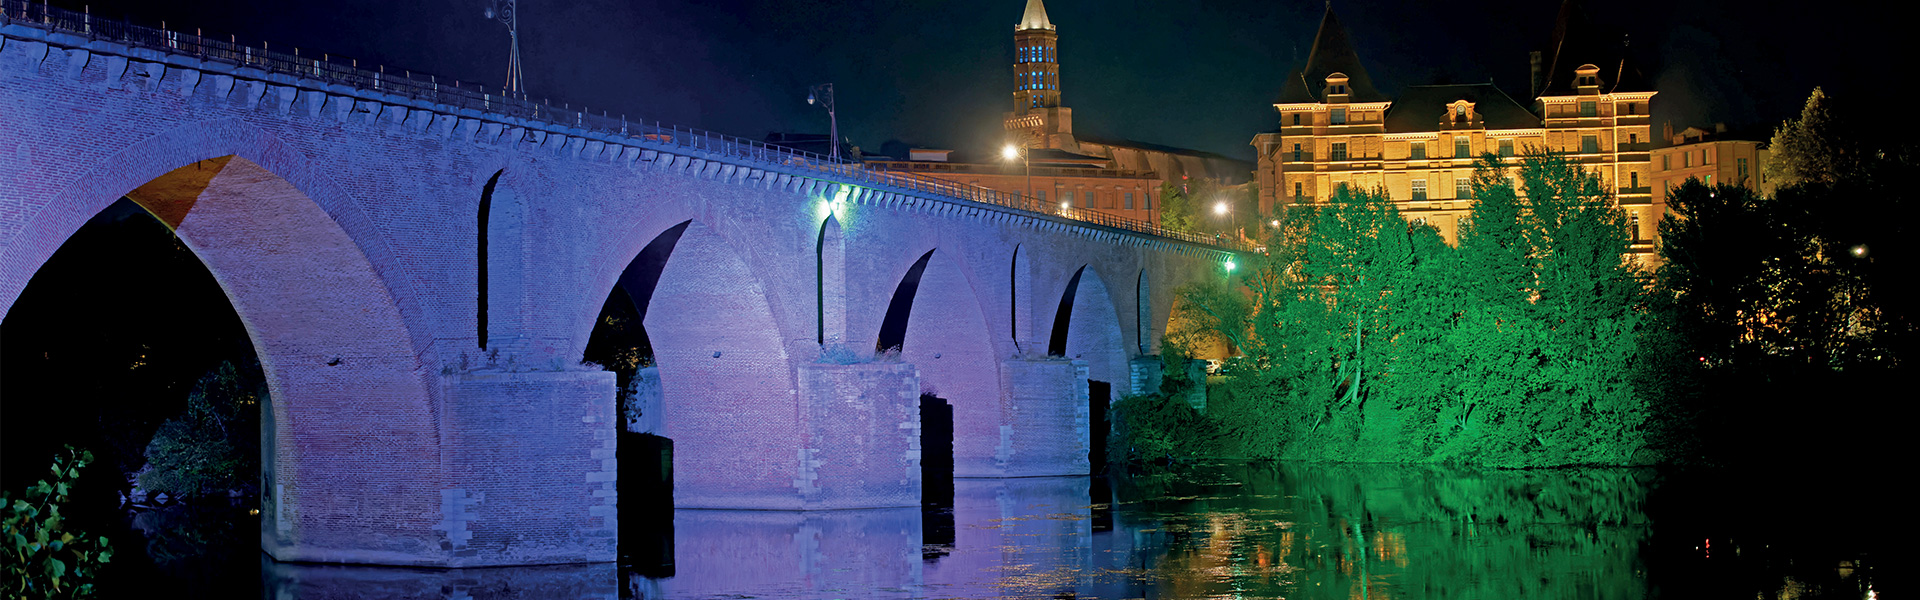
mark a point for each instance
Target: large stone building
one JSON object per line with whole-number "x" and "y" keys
{"x": 1055, "y": 165}
{"x": 1711, "y": 157}
{"x": 1336, "y": 129}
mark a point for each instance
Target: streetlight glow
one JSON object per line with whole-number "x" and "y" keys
{"x": 1230, "y": 265}
{"x": 1009, "y": 152}
{"x": 1220, "y": 208}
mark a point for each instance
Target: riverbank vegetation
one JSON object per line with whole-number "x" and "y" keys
{"x": 1362, "y": 336}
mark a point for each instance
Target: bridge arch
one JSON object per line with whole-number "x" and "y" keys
{"x": 726, "y": 381}
{"x": 1086, "y": 326}
{"x": 307, "y": 274}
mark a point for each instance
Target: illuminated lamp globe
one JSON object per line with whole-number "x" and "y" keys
{"x": 1860, "y": 251}
{"x": 1220, "y": 208}
{"x": 1009, "y": 152}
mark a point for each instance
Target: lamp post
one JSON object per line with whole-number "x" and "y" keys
{"x": 1010, "y": 153}
{"x": 507, "y": 12}
{"x": 823, "y": 95}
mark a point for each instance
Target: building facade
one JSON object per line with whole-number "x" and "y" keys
{"x": 1699, "y": 154}
{"x": 1337, "y": 129}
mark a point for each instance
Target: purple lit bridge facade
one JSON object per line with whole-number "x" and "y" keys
{"x": 420, "y": 268}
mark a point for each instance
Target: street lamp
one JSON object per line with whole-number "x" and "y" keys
{"x": 507, "y": 12}
{"x": 1010, "y": 152}
{"x": 823, "y": 95}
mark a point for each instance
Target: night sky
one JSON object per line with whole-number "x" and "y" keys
{"x": 938, "y": 74}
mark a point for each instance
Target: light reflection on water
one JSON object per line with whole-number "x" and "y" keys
{"x": 1232, "y": 531}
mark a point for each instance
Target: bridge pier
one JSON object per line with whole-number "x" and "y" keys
{"x": 1039, "y": 430}
{"x": 855, "y": 444}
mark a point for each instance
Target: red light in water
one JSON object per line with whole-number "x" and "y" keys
{"x": 1709, "y": 547}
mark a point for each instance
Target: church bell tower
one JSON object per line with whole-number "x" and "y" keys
{"x": 1037, "y": 120}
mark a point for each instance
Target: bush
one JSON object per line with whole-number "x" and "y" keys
{"x": 214, "y": 446}
{"x": 47, "y": 559}
{"x": 1159, "y": 429}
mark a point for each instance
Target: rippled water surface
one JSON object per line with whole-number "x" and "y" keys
{"x": 1221, "y": 531}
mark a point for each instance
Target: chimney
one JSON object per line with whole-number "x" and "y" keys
{"x": 1720, "y": 127}
{"x": 1535, "y": 59}
{"x": 1666, "y": 131}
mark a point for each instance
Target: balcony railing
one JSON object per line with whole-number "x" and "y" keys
{"x": 260, "y": 63}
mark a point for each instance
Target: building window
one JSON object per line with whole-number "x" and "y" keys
{"x": 1635, "y": 177}
{"x": 1087, "y": 198}
{"x": 1040, "y": 195}
{"x": 1633, "y": 138}
{"x": 1462, "y": 188}
{"x": 1589, "y": 109}
{"x": 1296, "y": 118}
{"x": 1339, "y": 151}
{"x": 1298, "y": 196}
{"x": 1633, "y": 226}
{"x": 1506, "y": 147}
{"x": 1666, "y": 163}
{"x": 1129, "y": 199}
{"x": 1630, "y": 110}
{"x": 1709, "y": 179}
{"x": 1706, "y": 156}
{"x": 1460, "y": 149}
{"x": 1339, "y": 116}
{"x": 1419, "y": 189}
{"x": 1686, "y": 160}
{"x": 1296, "y": 147}
{"x": 1590, "y": 144}
{"x": 1419, "y": 150}
{"x": 1742, "y": 163}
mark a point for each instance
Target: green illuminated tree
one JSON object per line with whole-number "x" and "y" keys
{"x": 44, "y": 556}
{"x": 214, "y": 446}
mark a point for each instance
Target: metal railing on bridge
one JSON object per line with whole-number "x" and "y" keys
{"x": 430, "y": 89}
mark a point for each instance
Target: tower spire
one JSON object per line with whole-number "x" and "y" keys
{"x": 1034, "y": 18}
{"x": 1036, "y": 63}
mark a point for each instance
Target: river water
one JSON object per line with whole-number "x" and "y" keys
{"x": 1265, "y": 530}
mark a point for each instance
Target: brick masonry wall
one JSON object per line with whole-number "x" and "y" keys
{"x": 531, "y": 473}
{"x": 863, "y": 442}
{"x": 344, "y": 230}
{"x": 1047, "y": 432}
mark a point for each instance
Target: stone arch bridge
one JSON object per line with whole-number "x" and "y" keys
{"x": 419, "y": 267}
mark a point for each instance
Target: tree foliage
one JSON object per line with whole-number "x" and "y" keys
{"x": 45, "y": 558}
{"x": 1375, "y": 340}
{"x": 1806, "y": 294}
{"x": 214, "y": 446}
{"x": 1192, "y": 207}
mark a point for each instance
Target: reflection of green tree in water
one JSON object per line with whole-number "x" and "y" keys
{"x": 1406, "y": 532}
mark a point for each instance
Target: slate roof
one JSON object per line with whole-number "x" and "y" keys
{"x": 1423, "y": 107}
{"x": 1578, "y": 41}
{"x": 1332, "y": 53}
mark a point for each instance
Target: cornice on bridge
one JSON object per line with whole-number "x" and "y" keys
{"x": 291, "y": 95}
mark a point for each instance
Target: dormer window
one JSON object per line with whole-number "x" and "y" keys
{"x": 1336, "y": 85}
{"x": 1586, "y": 76}
{"x": 1460, "y": 112}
